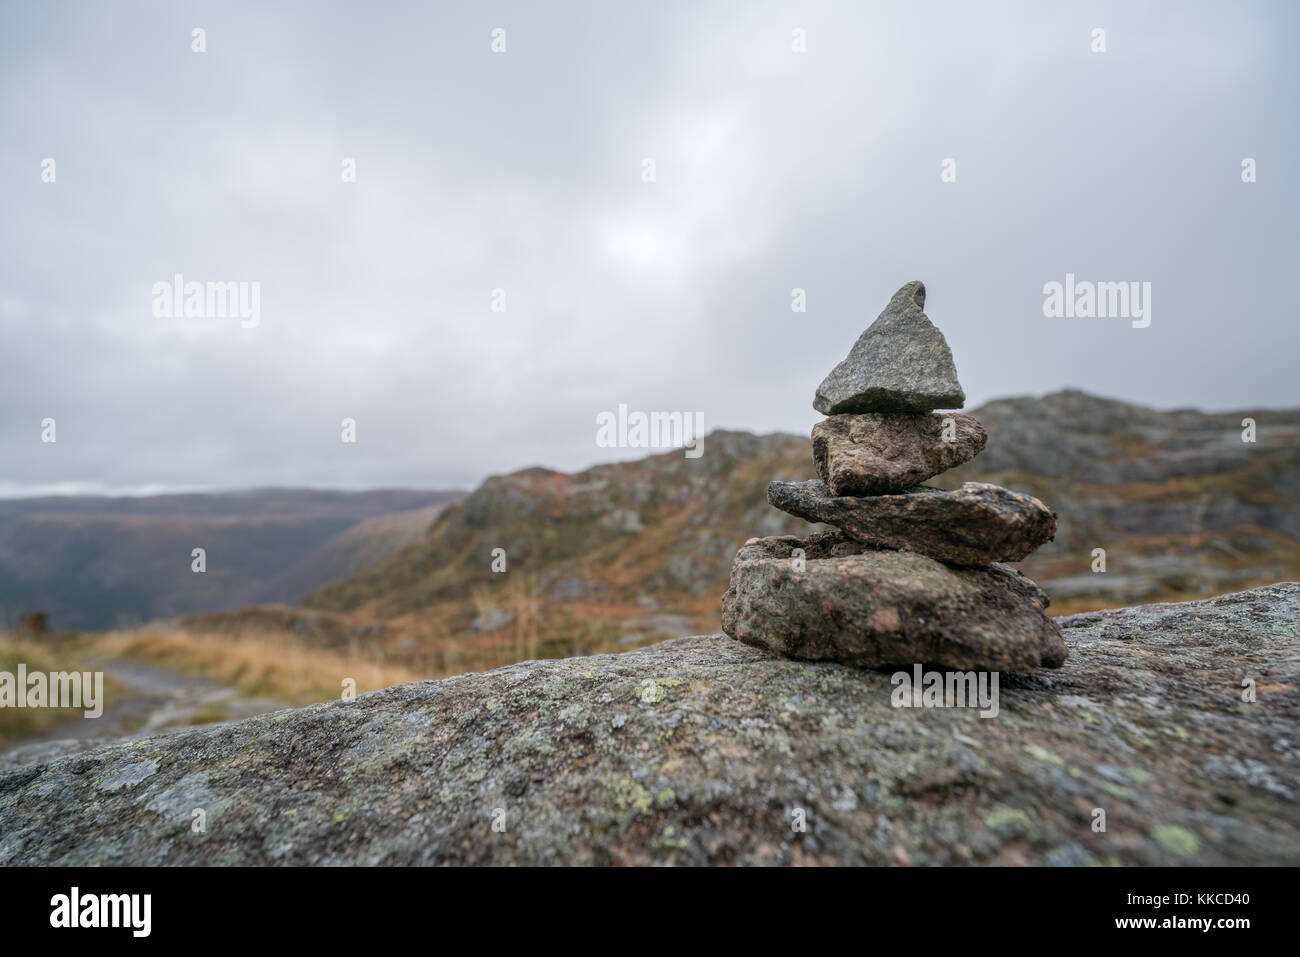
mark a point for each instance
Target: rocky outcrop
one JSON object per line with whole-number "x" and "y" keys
{"x": 1166, "y": 537}
{"x": 1071, "y": 435}
{"x": 704, "y": 750}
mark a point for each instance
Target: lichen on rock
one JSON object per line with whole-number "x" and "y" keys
{"x": 1145, "y": 721}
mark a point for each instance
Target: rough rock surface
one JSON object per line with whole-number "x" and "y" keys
{"x": 875, "y": 453}
{"x": 976, "y": 524}
{"x": 900, "y": 363}
{"x": 698, "y": 750}
{"x": 846, "y": 603}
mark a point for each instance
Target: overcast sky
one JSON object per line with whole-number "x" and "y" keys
{"x": 523, "y": 171}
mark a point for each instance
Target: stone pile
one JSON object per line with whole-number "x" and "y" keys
{"x": 911, "y": 574}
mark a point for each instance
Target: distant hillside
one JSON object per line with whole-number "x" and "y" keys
{"x": 619, "y": 553}
{"x": 1183, "y": 507}
{"x": 97, "y": 562}
{"x": 348, "y": 552}
{"x": 622, "y": 554}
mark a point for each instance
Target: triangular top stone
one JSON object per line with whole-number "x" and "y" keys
{"x": 901, "y": 363}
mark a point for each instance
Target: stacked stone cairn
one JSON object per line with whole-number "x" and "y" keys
{"x": 910, "y": 574}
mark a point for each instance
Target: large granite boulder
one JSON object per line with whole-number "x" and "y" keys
{"x": 706, "y": 751}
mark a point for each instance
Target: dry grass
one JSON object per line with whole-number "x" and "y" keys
{"x": 262, "y": 664}
{"x": 44, "y": 656}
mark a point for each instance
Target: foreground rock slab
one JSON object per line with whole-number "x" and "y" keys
{"x": 976, "y": 524}
{"x": 694, "y": 751}
{"x": 842, "y": 602}
{"x": 875, "y": 453}
{"x": 901, "y": 363}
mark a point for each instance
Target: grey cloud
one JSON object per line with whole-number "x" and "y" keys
{"x": 522, "y": 171}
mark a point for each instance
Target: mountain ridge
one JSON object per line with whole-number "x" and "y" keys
{"x": 626, "y": 552}
{"x": 633, "y": 550}
{"x": 95, "y": 562}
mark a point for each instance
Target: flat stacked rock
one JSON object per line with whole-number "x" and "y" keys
{"x": 872, "y": 608}
{"x": 886, "y": 451}
{"x": 911, "y": 575}
{"x": 977, "y": 524}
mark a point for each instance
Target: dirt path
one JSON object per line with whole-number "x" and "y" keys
{"x": 155, "y": 700}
